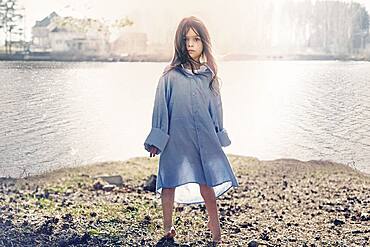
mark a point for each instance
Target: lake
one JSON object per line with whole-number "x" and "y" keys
{"x": 60, "y": 114}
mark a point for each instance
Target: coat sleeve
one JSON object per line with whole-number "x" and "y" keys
{"x": 218, "y": 121}
{"x": 158, "y": 135}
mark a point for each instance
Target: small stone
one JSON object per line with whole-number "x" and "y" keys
{"x": 179, "y": 209}
{"x": 146, "y": 220}
{"x": 365, "y": 217}
{"x": 68, "y": 192}
{"x": 67, "y": 217}
{"x": 108, "y": 187}
{"x": 131, "y": 208}
{"x": 253, "y": 243}
{"x": 264, "y": 236}
{"x": 150, "y": 184}
{"x": 111, "y": 179}
{"x": 97, "y": 186}
{"x": 236, "y": 230}
{"x": 285, "y": 184}
{"x": 245, "y": 225}
{"x": 338, "y": 222}
{"x": 46, "y": 194}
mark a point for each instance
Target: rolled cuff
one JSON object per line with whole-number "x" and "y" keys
{"x": 157, "y": 138}
{"x": 223, "y": 138}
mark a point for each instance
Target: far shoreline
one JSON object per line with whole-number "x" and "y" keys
{"x": 57, "y": 57}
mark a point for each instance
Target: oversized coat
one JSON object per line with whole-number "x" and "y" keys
{"x": 187, "y": 129}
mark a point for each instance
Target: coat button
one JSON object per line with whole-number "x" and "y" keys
{"x": 194, "y": 94}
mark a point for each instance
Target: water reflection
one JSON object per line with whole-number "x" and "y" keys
{"x": 64, "y": 114}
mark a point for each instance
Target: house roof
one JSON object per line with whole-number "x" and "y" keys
{"x": 46, "y": 21}
{"x": 58, "y": 29}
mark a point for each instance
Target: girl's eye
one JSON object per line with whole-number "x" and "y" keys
{"x": 187, "y": 39}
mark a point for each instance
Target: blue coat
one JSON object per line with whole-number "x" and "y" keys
{"x": 187, "y": 128}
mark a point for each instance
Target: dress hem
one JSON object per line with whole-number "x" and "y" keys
{"x": 199, "y": 202}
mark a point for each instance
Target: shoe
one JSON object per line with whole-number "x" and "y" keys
{"x": 215, "y": 243}
{"x": 171, "y": 233}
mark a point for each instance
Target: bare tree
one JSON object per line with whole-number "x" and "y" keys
{"x": 10, "y": 21}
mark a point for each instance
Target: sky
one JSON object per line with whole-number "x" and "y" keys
{"x": 164, "y": 12}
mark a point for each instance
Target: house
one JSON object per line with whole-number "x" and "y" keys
{"x": 70, "y": 35}
{"x": 130, "y": 43}
{"x": 40, "y": 33}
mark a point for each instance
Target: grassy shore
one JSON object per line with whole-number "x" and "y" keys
{"x": 282, "y": 202}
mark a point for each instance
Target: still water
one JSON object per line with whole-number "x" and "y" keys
{"x": 56, "y": 114}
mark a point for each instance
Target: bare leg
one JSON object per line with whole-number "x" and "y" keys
{"x": 167, "y": 206}
{"x": 209, "y": 197}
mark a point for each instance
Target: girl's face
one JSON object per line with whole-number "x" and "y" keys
{"x": 194, "y": 45}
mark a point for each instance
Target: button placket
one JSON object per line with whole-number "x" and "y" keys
{"x": 195, "y": 108}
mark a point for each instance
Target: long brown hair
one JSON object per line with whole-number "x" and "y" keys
{"x": 181, "y": 55}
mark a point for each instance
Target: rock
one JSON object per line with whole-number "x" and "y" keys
{"x": 131, "y": 208}
{"x": 7, "y": 181}
{"x": 66, "y": 203}
{"x": 285, "y": 184}
{"x": 113, "y": 179}
{"x": 147, "y": 219}
{"x": 97, "y": 186}
{"x": 46, "y": 194}
{"x": 150, "y": 184}
{"x": 265, "y": 235}
{"x": 67, "y": 217}
{"x": 108, "y": 187}
{"x": 365, "y": 217}
{"x": 338, "y": 222}
{"x": 253, "y": 243}
{"x": 69, "y": 192}
{"x": 245, "y": 225}
{"x": 236, "y": 230}
{"x": 179, "y": 208}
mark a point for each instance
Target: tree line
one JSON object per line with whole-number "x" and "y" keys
{"x": 11, "y": 18}
{"x": 333, "y": 27}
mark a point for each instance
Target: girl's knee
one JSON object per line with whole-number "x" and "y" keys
{"x": 168, "y": 190}
{"x": 206, "y": 190}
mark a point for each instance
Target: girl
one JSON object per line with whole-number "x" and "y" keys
{"x": 187, "y": 129}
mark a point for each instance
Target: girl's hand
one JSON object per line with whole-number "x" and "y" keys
{"x": 153, "y": 151}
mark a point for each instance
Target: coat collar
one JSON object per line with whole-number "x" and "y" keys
{"x": 204, "y": 68}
